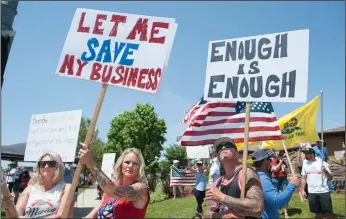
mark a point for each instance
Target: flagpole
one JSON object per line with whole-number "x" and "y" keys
{"x": 322, "y": 142}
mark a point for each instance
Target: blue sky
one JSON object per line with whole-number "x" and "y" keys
{"x": 32, "y": 87}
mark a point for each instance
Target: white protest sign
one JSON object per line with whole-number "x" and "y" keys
{"x": 57, "y": 132}
{"x": 108, "y": 161}
{"x": 265, "y": 68}
{"x": 119, "y": 49}
{"x": 197, "y": 152}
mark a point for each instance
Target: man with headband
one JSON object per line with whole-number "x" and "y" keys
{"x": 227, "y": 190}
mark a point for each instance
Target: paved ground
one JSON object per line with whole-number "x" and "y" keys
{"x": 86, "y": 202}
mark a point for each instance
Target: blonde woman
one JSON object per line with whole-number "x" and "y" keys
{"x": 46, "y": 194}
{"x": 127, "y": 196}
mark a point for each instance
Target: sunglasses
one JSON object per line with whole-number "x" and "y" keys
{"x": 199, "y": 164}
{"x": 223, "y": 146}
{"x": 42, "y": 164}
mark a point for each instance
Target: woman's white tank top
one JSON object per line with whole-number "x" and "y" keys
{"x": 42, "y": 204}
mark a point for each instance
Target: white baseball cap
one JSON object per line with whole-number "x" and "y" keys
{"x": 175, "y": 161}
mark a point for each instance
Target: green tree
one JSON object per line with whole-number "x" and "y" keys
{"x": 97, "y": 144}
{"x": 140, "y": 128}
{"x": 176, "y": 152}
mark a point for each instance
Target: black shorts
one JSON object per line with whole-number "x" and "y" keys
{"x": 320, "y": 203}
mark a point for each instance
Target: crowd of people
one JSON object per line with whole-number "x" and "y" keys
{"x": 268, "y": 187}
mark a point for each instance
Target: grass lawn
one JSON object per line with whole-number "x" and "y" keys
{"x": 186, "y": 207}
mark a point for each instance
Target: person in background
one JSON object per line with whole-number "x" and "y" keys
{"x": 214, "y": 169}
{"x": 46, "y": 194}
{"x": 127, "y": 195}
{"x": 18, "y": 177}
{"x": 90, "y": 180}
{"x": 316, "y": 176}
{"x": 279, "y": 174}
{"x": 273, "y": 200}
{"x": 318, "y": 151}
{"x": 175, "y": 167}
{"x": 10, "y": 176}
{"x": 227, "y": 190}
{"x": 271, "y": 154}
{"x": 200, "y": 171}
{"x": 25, "y": 180}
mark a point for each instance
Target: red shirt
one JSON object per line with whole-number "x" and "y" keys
{"x": 115, "y": 208}
{"x": 280, "y": 173}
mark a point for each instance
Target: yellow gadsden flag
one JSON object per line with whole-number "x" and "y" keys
{"x": 297, "y": 127}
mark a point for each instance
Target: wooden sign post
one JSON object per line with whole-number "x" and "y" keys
{"x": 245, "y": 149}
{"x": 87, "y": 141}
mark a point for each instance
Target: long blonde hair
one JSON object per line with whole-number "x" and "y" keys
{"x": 36, "y": 179}
{"x": 118, "y": 176}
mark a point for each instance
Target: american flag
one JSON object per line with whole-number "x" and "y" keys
{"x": 270, "y": 152}
{"x": 215, "y": 119}
{"x": 182, "y": 177}
{"x": 193, "y": 110}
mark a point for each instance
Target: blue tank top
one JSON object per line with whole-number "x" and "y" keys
{"x": 200, "y": 181}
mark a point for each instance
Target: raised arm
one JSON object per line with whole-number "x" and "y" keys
{"x": 193, "y": 168}
{"x": 125, "y": 192}
{"x": 134, "y": 192}
{"x": 277, "y": 167}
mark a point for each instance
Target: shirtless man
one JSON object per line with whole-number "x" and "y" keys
{"x": 226, "y": 192}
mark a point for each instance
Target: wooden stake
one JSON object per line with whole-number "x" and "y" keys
{"x": 245, "y": 149}
{"x": 87, "y": 141}
{"x": 291, "y": 166}
{"x": 6, "y": 194}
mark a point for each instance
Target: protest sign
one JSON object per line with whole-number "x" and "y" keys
{"x": 57, "y": 132}
{"x": 197, "y": 152}
{"x": 108, "y": 161}
{"x": 119, "y": 49}
{"x": 265, "y": 68}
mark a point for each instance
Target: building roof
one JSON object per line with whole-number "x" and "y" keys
{"x": 335, "y": 130}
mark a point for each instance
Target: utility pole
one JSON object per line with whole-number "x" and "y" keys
{"x": 8, "y": 12}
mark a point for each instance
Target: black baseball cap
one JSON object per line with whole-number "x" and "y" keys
{"x": 259, "y": 155}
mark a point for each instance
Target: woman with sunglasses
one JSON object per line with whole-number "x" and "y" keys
{"x": 46, "y": 194}
{"x": 200, "y": 171}
{"x": 127, "y": 195}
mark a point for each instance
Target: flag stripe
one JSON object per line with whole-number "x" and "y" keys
{"x": 236, "y": 120}
{"x": 236, "y": 140}
{"x": 214, "y": 120}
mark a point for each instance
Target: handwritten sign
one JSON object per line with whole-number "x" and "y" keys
{"x": 119, "y": 49}
{"x": 108, "y": 164}
{"x": 57, "y": 132}
{"x": 265, "y": 68}
{"x": 197, "y": 152}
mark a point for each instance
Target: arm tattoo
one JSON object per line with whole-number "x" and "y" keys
{"x": 121, "y": 192}
{"x": 252, "y": 205}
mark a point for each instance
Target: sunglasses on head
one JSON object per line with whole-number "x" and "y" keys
{"x": 42, "y": 164}
{"x": 224, "y": 145}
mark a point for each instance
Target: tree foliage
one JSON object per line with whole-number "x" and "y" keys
{"x": 176, "y": 152}
{"x": 140, "y": 128}
{"x": 97, "y": 145}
